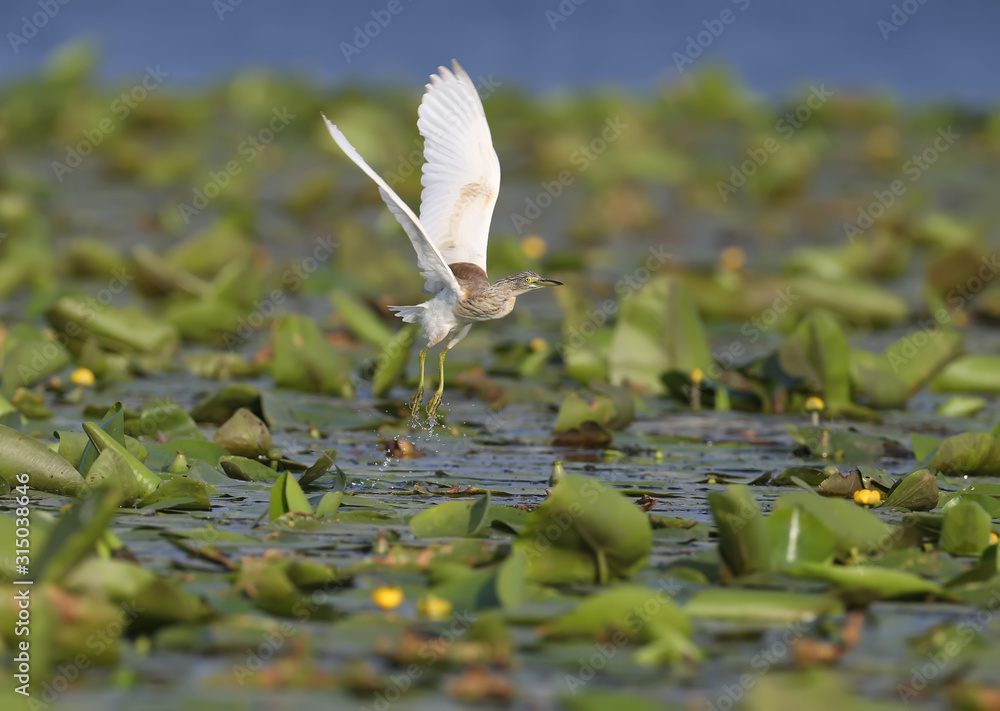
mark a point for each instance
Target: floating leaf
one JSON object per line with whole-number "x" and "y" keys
{"x": 286, "y": 495}
{"x": 46, "y": 470}
{"x": 160, "y": 416}
{"x": 602, "y": 410}
{"x": 178, "y": 492}
{"x": 640, "y": 612}
{"x": 30, "y": 361}
{"x": 111, "y": 470}
{"x": 392, "y": 360}
{"x": 916, "y": 492}
{"x": 359, "y": 318}
{"x": 965, "y": 529}
{"x": 320, "y": 467}
{"x": 969, "y": 453}
{"x": 855, "y": 529}
{"x": 114, "y": 424}
{"x": 961, "y": 406}
{"x": 302, "y": 359}
{"x": 75, "y": 535}
{"x": 841, "y": 484}
{"x": 455, "y": 518}
{"x": 330, "y": 503}
{"x": 160, "y": 456}
{"x": 976, "y": 374}
{"x": 817, "y": 353}
{"x": 765, "y": 607}
{"x": 744, "y": 543}
{"x": 147, "y": 480}
{"x": 585, "y": 531}
{"x": 867, "y": 581}
{"x": 797, "y": 535}
{"x": 245, "y": 469}
{"x": 658, "y": 331}
{"x": 115, "y": 329}
{"x": 245, "y": 435}
{"x": 223, "y": 404}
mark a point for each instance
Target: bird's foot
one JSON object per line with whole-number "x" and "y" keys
{"x": 432, "y": 408}
{"x": 415, "y": 403}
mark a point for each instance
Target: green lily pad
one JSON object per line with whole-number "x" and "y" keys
{"x": 223, "y": 404}
{"x": 658, "y": 331}
{"x": 359, "y": 318}
{"x": 245, "y": 435}
{"x": 969, "y": 453}
{"x": 245, "y": 469}
{"x": 392, "y": 359}
{"x": 797, "y": 535}
{"x": 287, "y": 495}
{"x": 584, "y": 532}
{"x": 766, "y": 607}
{"x": 302, "y": 358}
{"x": 180, "y": 493}
{"x": 147, "y": 480}
{"x": 975, "y": 374}
{"x": 160, "y": 456}
{"x": 916, "y": 492}
{"x": 965, "y": 529}
{"x": 75, "y": 535}
{"x": 602, "y": 410}
{"x": 120, "y": 330}
{"x": 111, "y": 470}
{"x": 855, "y": 530}
{"x": 455, "y": 518}
{"x": 46, "y": 470}
{"x": 160, "y": 416}
{"x": 868, "y": 581}
{"x": 744, "y": 542}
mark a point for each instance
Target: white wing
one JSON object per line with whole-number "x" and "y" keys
{"x": 433, "y": 266}
{"x": 461, "y": 175}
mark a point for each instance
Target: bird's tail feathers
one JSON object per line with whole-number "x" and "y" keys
{"x": 409, "y": 314}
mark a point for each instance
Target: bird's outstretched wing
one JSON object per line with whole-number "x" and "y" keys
{"x": 461, "y": 174}
{"x": 432, "y": 264}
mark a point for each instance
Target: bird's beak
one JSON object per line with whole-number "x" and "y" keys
{"x": 544, "y": 282}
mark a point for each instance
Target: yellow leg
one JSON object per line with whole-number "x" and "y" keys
{"x": 419, "y": 397}
{"x": 436, "y": 400}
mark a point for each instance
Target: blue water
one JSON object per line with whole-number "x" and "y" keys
{"x": 943, "y": 51}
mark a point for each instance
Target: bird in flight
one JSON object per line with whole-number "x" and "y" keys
{"x": 461, "y": 179}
